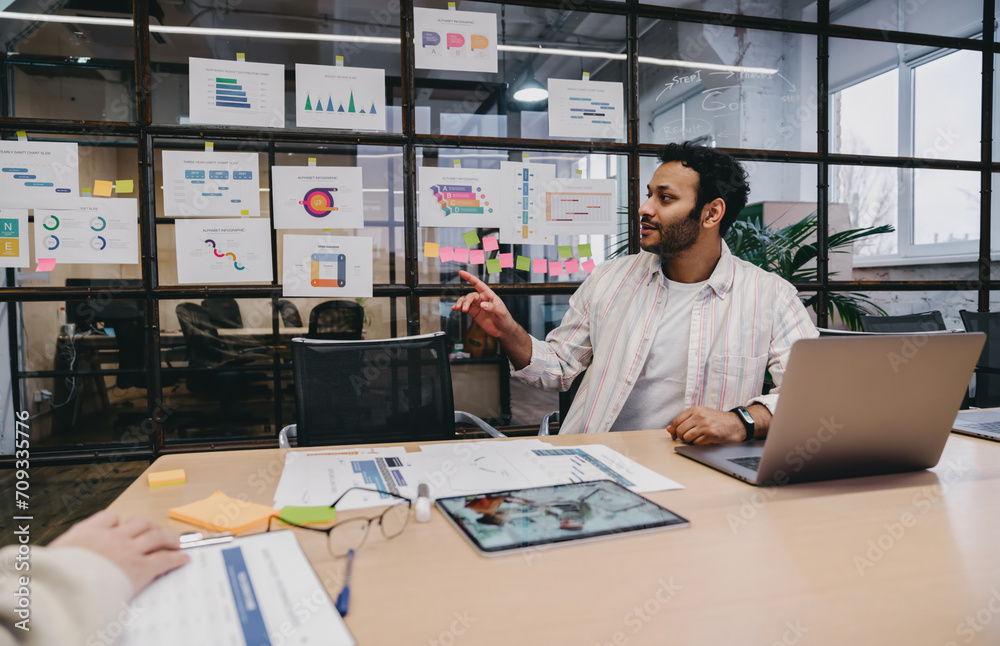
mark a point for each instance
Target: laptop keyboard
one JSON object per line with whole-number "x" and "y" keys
{"x": 989, "y": 427}
{"x": 752, "y": 463}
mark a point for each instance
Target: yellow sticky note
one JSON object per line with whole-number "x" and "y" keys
{"x": 430, "y": 250}
{"x": 240, "y": 56}
{"x": 102, "y": 188}
{"x": 244, "y": 211}
{"x": 123, "y": 186}
{"x": 209, "y": 146}
{"x": 161, "y": 478}
{"x": 220, "y": 513}
{"x": 22, "y": 135}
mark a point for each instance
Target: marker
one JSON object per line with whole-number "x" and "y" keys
{"x": 423, "y": 507}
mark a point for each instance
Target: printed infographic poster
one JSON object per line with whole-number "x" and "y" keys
{"x": 223, "y": 251}
{"x": 326, "y": 266}
{"x": 456, "y": 197}
{"x": 39, "y": 175}
{"x": 350, "y": 98}
{"x": 581, "y": 207}
{"x": 101, "y": 231}
{"x": 586, "y": 109}
{"x": 198, "y": 183}
{"x": 310, "y": 197}
{"x": 236, "y": 93}
{"x": 523, "y": 202}
{"x": 14, "y": 238}
{"x": 464, "y": 41}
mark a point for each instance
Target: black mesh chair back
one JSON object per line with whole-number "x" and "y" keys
{"x": 289, "y": 314}
{"x": 225, "y": 312}
{"x": 389, "y": 390}
{"x": 988, "y": 367}
{"x": 925, "y": 322}
{"x": 337, "y": 321}
{"x": 131, "y": 352}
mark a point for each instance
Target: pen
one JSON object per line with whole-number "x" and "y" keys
{"x": 195, "y": 539}
{"x": 344, "y": 598}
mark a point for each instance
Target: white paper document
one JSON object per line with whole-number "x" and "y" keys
{"x": 223, "y": 251}
{"x": 326, "y": 266}
{"x": 586, "y": 109}
{"x": 523, "y": 202}
{"x": 14, "y": 238}
{"x": 258, "y": 590}
{"x": 39, "y": 175}
{"x": 198, "y": 183}
{"x": 581, "y": 207}
{"x": 464, "y": 41}
{"x": 101, "y": 231}
{"x": 312, "y": 197}
{"x": 350, "y": 98}
{"x": 236, "y": 93}
{"x": 457, "y": 197}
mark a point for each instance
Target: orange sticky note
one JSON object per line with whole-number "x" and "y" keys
{"x": 431, "y": 250}
{"x": 220, "y": 513}
{"x": 102, "y": 188}
{"x": 176, "y": 476}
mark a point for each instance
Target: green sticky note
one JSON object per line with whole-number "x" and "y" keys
{"x": 123, "y": 186}
{"x": 585, "y": 250}
{"x": 565, "y": 251}
{"x": 308, "y": 515}
{"x": 523, "y": 263}
{"x": 471, "y": 238}
{"x": 493, "y": 266}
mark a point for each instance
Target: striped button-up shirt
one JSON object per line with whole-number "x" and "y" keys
{"x": 743, "y": 324}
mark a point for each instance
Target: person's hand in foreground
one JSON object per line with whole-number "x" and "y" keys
{"x": 485, "y": 308}
{"x": 701, "y": 425}
{"x": 138, "y": 546}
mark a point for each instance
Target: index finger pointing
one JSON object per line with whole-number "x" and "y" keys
{"x": 480, "y": 286}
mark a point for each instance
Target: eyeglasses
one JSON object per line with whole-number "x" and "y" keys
{"x": 350, "y": 534}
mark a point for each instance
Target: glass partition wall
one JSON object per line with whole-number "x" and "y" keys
{"x": 855, "y": 114}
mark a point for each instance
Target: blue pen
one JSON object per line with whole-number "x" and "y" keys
{"x": 344, "y": 598}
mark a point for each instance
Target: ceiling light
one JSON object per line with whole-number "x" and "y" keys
{"x": 531, "y": 91}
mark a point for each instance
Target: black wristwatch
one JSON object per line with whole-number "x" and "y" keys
{"x": 747, "y": 419}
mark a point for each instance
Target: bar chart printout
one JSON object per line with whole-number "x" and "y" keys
{"x": 591, "y": 109}
{"x": 582, "y": 207}
{"x": 349, "y": 98}
{"x": 236, "y": 93}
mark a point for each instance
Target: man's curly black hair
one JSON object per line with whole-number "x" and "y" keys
{"x": 719, "y": 176}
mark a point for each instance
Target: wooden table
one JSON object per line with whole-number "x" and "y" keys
{"x": 901, "y": 559}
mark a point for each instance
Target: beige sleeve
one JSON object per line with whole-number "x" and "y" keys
{"x": 75, "y": 596}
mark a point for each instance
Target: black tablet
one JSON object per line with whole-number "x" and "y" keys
{"x": 505, "y": 521}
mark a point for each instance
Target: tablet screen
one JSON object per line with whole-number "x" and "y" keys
{"x": 511, "y": 520}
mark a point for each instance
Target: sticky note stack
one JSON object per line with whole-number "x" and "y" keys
{"x": 220, "y": 513}
{"x": 177, "y": 476}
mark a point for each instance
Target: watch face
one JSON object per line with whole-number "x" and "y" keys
{"x": 744, "y": 415}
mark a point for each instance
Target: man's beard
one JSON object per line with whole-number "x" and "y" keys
{"x": 675, "y": 238}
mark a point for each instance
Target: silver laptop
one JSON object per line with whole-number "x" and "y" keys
{"x": 978, "y": 423}
{"x": 856, "y": 406}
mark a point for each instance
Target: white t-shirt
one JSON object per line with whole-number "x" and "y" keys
{"x": 658, "y": 394}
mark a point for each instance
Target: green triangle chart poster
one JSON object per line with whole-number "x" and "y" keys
{"x": 342, "y": 98}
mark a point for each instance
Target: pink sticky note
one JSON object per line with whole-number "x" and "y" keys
{"x": 477, "y": 256}
{"x": 446, "y": 254}
{"x": 490, "y": 243}
{"x": 506, "y": 259}
{"x": 555, "y": 268}
{"x": 540, "y": 266}
{"x": 461, "y": 254}
{"x": 572, "y": 266}
{"x": 46, "y": 264}
{"x": 588, "y": 265}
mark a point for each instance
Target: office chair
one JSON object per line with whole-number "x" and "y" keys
{"x": 224, "y": 312}
{"x": 289, "y": 313}
{"x": 988, "y": 367}
{"x": 205, "y": 349}
{"x": 337, "y": 321}
{"x": 924, "y": 322}
{"x": 565, "y": 401}
{"x": 386, "y": 390}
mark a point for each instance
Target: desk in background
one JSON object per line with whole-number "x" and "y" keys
{"x": 881, "y": 560}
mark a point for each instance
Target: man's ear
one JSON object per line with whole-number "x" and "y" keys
{"x": 712, "y": 213}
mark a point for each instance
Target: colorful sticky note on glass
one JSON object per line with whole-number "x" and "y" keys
{"x": 540, "y": 266}
{"x": 431, "y": 250}
{"x": 572, "y": 266}
{"x": 477, "y": 256}
{"x": 506, "y": 260}
{"x": 584, "y": 250}
{"x": 493, "y": 266}
{"x": 490, "y": 243}
{"x": 523, "y": 263}
{"x": 588, "y": 265}
{"x": 123, "y": 186}
{"x": 471, "y": 238}
{"x": 46, "y": 264}
{"x": 565, "y": 251}
{"x": 102, "y": 188}
{"x": 555, "y": 268}
{"x": 446, "y": 254}
{"x": 461, "y": 254}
